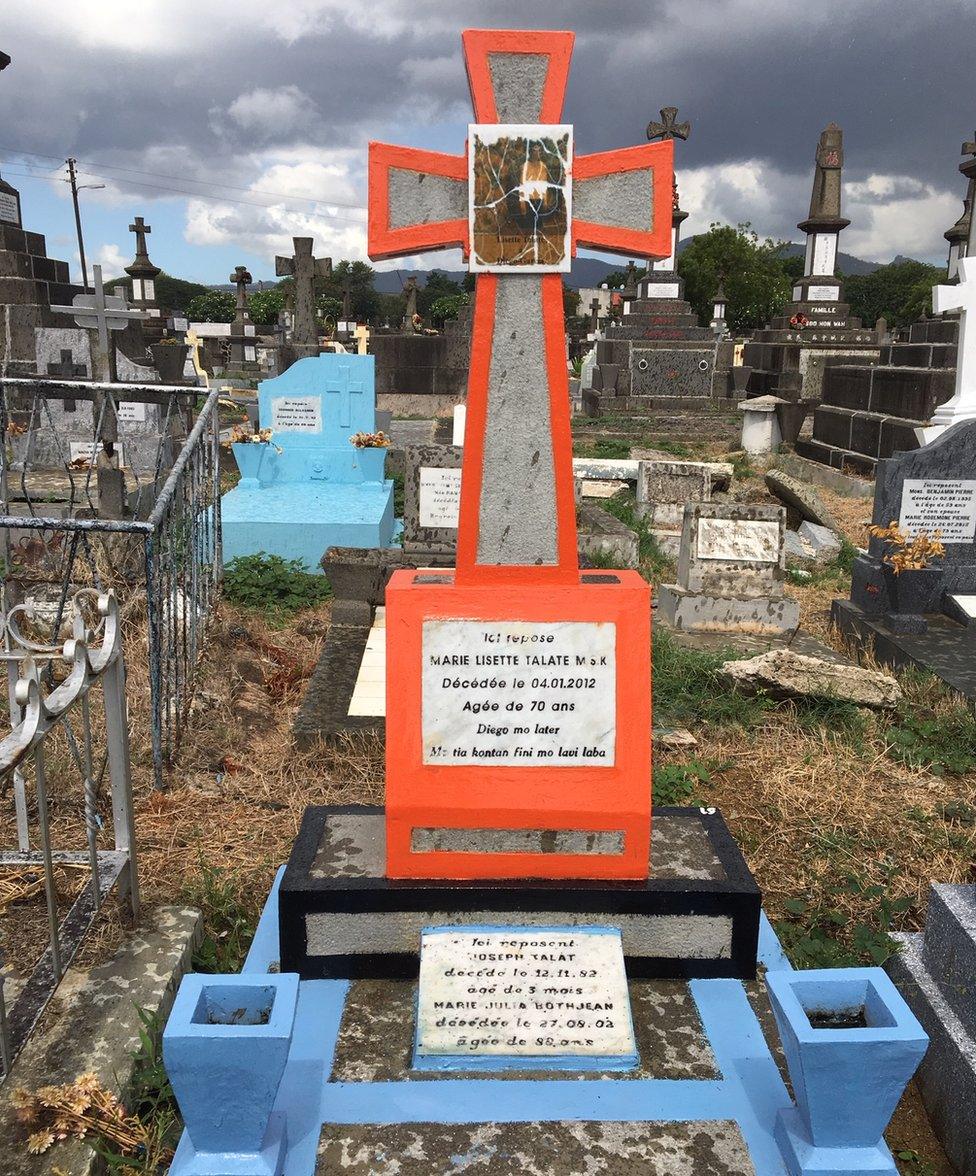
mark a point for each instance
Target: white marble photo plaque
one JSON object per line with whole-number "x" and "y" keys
{"x": 439, "y": 492}
{"x": 296, "y": 414}
{"x": 738, "y": 540}
{"x": 947, "y": 505}
{"x": 523, "y": 996}
{"x": 519, "y": 693}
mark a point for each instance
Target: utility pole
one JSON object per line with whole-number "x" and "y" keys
{"x": 81, "y": 243}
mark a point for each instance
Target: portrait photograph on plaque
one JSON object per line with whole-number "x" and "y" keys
{"x": 519, "y": 198}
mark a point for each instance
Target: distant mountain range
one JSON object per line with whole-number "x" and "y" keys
{"x": 587, "y": 271}
{"x": 590, "y": 271}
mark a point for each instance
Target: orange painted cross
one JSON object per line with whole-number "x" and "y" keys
{"x": 519, "y": 205}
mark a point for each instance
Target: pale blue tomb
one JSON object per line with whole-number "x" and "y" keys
{"x": 319, "y": 491}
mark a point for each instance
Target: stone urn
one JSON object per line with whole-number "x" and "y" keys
{"x": 169, "y": 360}
{"x": 852, "y": 1044}
{"x": 913, "y": 592}
{"x": 253, "y": 460}
{"x": 372, "y": 462}
{"x": 225, "y": 1048}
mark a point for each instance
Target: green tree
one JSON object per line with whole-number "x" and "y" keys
{"x": 363, "y": 299}
{"x": 448, "y": 306}
{"x": 265, "y": 305}
{"x": 755, "y": 282}
{"x": 172, "y": 294}
{"x": 437, "y": 287}
{"x": 899, "y": 291}
{"x": 216, "y": 306}
{"x": 571, "y": 301}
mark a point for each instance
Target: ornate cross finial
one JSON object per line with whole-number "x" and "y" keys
{"x": 140, "y": 228}
{"x": 667, "y": 128}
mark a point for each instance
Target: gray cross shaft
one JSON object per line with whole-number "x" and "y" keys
{"x": 304, "y": 268}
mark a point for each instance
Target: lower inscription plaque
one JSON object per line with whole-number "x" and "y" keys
{"x": 523, "y": 998}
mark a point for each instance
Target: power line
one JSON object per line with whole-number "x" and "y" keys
{"x": 185, "y": 179}
{"x": 216, "y": 198}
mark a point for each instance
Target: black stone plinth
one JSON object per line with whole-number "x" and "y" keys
{"x": 946, "y": 648}
{"x": 340, "y": 917}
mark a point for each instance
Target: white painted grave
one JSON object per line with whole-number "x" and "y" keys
{"x": 524, "y": 997}
{"x": 519, "y": 693}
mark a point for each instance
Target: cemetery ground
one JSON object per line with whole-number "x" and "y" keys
{"x": 844, "y": 815}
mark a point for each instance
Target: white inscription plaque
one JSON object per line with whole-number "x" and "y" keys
{"x": 934, "y": 505}
{"x": 88, "y": 449}
{"x": 523, "y": 997}
{"x": 9, "y": 208}
{"x": 296, "y": 414}
{"x": 826, "y": 292}
{"x": 131, "y": 411}
{"x": 519, "y": 693}
{"x": 742, "y": 540}
{"x": 439, "y": 491}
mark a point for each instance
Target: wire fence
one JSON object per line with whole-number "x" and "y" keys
{"x": 60, "y": 748}
{"x": 132, "y": 504}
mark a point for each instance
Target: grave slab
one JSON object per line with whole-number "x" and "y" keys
{"x": 341, "y": 916}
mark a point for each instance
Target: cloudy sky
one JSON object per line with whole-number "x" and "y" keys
{"x": 232, "y": 125}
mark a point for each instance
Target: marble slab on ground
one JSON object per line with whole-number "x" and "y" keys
{"x": 749, "y": 644}
{"x": 376, "y": 1037}
{"x": 543, "y": 1149}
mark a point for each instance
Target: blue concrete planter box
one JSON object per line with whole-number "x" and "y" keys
{"x": 225, "y": 1048}
{"x": 371, "y": 462}
{"x": 255, "y": 461}
{"x": 851, "y": 1045}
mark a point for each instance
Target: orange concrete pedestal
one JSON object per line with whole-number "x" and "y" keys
{"x": 451, "y": 817}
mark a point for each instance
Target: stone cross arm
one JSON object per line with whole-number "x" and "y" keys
{"x": 621, "y": 200}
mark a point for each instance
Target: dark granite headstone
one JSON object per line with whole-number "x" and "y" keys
{"x": 933, "y": 488}
{"x": 672, "y": 372}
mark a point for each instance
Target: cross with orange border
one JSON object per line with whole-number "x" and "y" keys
{"x": 518, "y": 445}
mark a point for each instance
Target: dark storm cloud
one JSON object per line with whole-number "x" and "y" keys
{"x": 758, "y": 79}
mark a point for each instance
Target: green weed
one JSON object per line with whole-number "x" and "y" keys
{"x": 942, "y": 742}
{"x": 274, "y": 585}
{"x": 228, "y": 923}
{"x": 822, "y": 936}
{"x": 687, "y": 689}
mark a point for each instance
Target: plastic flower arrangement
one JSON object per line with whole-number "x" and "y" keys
{"x": 371, "y": 440}
{"x": 904, "y": 554}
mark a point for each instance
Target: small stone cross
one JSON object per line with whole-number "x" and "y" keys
{"x": 140, "y": 228}
{"x": 595, "y": 314}
{"x": 304, "y": 268}
{"x": 102, "y": 313}
{"x": 348, "y": 386}
{"x": 242, "y": 279}
{"x": 67, "y": 368}
{"x": 667, "y": 128}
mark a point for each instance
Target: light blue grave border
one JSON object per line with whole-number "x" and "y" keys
{"x": 469, "y": 1063}
{"x": 750, "y": 1090}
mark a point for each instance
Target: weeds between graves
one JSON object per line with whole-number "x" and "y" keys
{"x": 230, "y": 917}
{"x": 654, "y": 565}
{"x": 276, "y": 586}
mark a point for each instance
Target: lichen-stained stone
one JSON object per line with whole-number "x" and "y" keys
{"x": 375, "y": 1042}
{"x": 535, "y": 1149}
{"x": 92, "y": 1026}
